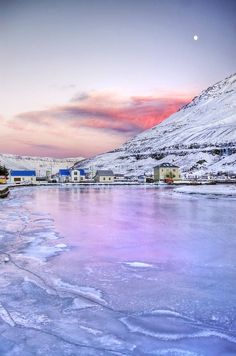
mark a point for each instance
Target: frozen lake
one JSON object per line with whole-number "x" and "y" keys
{"x": 117, "y": 271}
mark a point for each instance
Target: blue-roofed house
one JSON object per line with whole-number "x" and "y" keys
{"x": 22, "y": 176}
{"x": 64, "y": 175}
{"x": 74, "y": 175}
{"x": 78, "y": 175}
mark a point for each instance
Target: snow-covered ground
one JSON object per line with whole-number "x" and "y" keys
{"x": 116, "y": 271}
{"x": 42, "y": 165}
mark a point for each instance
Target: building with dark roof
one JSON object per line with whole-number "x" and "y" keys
{"x": 166, "y": 165}
{"x": 104, "y": 176}
{"x": 166, "y": 171}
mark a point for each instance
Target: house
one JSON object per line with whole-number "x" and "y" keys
{"x": 119, "y": 177}
{"x": 3, "y": 179}
{"x": 74, "y": 175}
{"x": 82, "y": 173}
{"x": 104, "y": 176}
{"x": 166, "y": 171}
{"x": 77, "y": 175}
{"x": 22, "y": 176}
{"x": 64, "y": 175}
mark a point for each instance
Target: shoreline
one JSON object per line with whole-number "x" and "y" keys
{"x": 4, "y": 192}
{"x": 162, "y": 184}
{"x": 227, "y": 191}
{"x": 221, "y": 189}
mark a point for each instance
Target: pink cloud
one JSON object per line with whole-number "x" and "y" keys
{"x": 101, "y": 121}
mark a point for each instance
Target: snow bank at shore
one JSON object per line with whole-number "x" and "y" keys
{"x": 218, "y": 190}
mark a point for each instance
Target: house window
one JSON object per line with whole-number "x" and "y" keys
{"x": 75, "y": 173}
{"x": 104, "y": 178}
{"x": 76, "y": 178}
{"x": 109, "y": 178}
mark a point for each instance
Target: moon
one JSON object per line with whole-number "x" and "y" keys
{"x": 195, "y": 37}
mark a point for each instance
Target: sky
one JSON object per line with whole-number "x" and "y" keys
{"x": 81, "y": 77}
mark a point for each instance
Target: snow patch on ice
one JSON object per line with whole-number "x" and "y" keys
{"x": 217, "y": 190}
{"x": 5, "y": 316}
{"x": 81, "y": 304}
{"x": 138, "y": 264}
{"x": 31, "y": 320}
{"x": 170, "y": 313}
{"x": 43, "y": 252}
{"x": 61, "y": 246}
{"x": 176, "y": 352}
{"x": 135, "y": 328}
{"x": 115, "y": 342}
{"x": 91, "y": 330}
{"x": 87, "y": 292}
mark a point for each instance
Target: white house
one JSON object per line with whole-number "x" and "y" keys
{"x": 82, "y": 174}
{"x": 75, "y": 175}
{"x": 22, "y": 176}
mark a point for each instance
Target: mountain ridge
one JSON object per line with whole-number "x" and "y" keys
{"x": 40, "y": 164}
{"x": 203, "y": 131}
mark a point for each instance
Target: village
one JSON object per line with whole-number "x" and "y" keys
{"x": 163, "y": 174}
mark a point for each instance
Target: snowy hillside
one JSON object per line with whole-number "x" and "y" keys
{"x": 200, "y": 137}
{"x": 40, "y": 164}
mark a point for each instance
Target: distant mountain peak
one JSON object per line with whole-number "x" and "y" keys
{"x": 40, "y": 164}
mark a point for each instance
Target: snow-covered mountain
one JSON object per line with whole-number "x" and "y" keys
{"x": 200, "y": 137}
{"x": 40, "y": 164}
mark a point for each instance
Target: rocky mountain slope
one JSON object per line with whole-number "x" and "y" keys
{"x": 200, "y": 137}
{"x": 40, "y": 164}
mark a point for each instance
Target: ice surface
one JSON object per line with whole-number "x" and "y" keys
{"x": 126, "y": 271}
